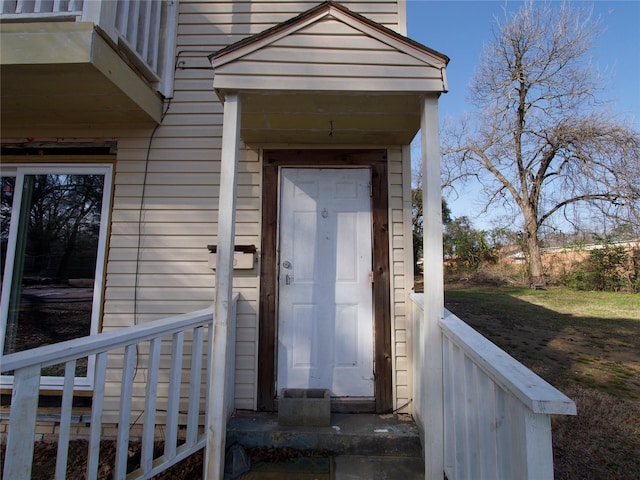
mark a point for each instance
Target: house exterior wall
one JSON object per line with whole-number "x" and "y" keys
{"x": 180, "y": 198}
{"x": 165, "y": 200}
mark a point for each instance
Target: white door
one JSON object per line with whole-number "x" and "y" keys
{"x": 325, "y": 320}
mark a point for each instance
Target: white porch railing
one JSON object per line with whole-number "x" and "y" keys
{"x": 144, "y": 30}
{"x": 496, "y": 411}
{"x": 148, "y": 337}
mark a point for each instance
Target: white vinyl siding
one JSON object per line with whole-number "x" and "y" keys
{"x": 177, "y": 222}
{"x": 401, "y": 276}
{"x": 243, "y": 18}
{"x": 330, "y": 55}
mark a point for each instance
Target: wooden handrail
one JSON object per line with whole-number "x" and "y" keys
{"x": 537, "y": 394}
{"x": 496, "y": 412}
{"x": 82, "y": 347}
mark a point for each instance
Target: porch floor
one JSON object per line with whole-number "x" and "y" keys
{"x": 363, "y": 446}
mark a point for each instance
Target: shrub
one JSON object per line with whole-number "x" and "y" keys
{"x": 610, "y": 268}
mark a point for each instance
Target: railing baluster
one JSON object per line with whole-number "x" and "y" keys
{"x": 152, "y": 56}
{"x": 131, "y": 33}
{"x": 24, "y": 6}
{"x": 149, "y": 428}
{"x": 122, "y": 445}
{"x": 503, "y": 432}
{"x": 8, "y": 7}
{"x": 96, "y": 415}
{"x": 122, "y": 17}
{"x": 459, "y": 426}
{"x": 195, "y": 383}
{"x": 471, "y": 412}
{"x": 208, "y": 374}
{"x": 144, "y": 30}
{"x": 488, "y": 423}
{"x": 65, "y": 420}
{"x": 173, "y": 402}
{"x": 449, "y": 410}
{"x": 76, "y": 5}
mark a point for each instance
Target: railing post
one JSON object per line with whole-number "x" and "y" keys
{"x": 103, "y": 14}
{"x": 217, "y": 415}
{"x": 538, "y": 449}
{"x": 433, "y": 403}
{"x": 22, "y": 423}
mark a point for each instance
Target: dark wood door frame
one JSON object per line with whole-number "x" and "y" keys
{"x": 376, "y": 160}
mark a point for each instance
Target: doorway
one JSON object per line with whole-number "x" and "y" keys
{"x": 368, "y": 167}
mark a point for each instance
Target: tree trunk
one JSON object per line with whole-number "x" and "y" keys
{"x": 532, "y": 245}
{"x": 534, "y": 255}
{"x": 535, "y": 260}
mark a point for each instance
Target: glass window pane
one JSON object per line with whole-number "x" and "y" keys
{"x": 55, "y": 262}
{"x": 6, "y": 204}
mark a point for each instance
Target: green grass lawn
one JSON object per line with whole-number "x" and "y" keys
{"x": 587, "y": 344}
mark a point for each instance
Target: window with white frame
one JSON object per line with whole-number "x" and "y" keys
{"x": 53, "y": 241}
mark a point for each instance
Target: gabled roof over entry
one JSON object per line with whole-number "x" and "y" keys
{"x": 329, "y": 48}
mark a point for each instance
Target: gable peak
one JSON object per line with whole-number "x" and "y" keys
{"x": 328, "y": 9}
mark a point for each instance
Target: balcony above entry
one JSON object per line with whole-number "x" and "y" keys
{"x": 90, "y": 64}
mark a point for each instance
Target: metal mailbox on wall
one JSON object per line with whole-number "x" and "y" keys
{"x": 244, "y": 256}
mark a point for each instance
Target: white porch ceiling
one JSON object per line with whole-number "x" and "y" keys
{"x": 329, "y": 118}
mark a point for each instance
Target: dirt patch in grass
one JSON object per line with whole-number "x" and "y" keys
{"x": 601, "y": 442}
{"x": 588, "y": 346}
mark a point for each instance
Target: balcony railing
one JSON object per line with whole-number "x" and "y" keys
{"x": 496, "y": 412}
{"x": 144, "y": 30}
{"x": 139, "y": 347}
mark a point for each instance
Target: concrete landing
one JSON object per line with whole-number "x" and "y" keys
{"x": 348, "y": 434}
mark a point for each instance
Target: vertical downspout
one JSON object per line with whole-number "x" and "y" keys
{"x": 433, "y": 399}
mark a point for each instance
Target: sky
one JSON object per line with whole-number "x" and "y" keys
{"x": 460, "y": 29}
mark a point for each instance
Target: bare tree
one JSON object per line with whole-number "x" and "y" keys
{"x": 541, "y": 140}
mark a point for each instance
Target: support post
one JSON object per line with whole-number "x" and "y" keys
{"x": 433, "y": 400}
{"x": 22, "y": 423}
{"x": 216, "y": 411}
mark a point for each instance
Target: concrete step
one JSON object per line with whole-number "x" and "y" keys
{"x": 357, "y": 467}
{"x": 348, "y": 434}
